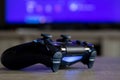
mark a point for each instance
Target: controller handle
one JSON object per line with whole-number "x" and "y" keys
{"x": 24, "y": 55}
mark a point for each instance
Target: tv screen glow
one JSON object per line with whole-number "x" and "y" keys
{"x": 53, "y": 11}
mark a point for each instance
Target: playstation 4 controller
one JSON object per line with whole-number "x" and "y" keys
{"x": 63, "y": 52}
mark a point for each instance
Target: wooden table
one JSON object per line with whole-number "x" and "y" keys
{"x": 104, "y": 69}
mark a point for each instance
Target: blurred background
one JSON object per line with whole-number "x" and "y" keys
{"x": 96, "y": 21}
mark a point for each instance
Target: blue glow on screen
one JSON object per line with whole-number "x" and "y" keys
{"x": 50, "y": 11}
{"x": 72, "y": 58}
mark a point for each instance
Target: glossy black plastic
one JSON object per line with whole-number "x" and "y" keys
{"x": 54, "y": 54}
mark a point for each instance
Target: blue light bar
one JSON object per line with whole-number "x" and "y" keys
{"x": 71, "y": 58}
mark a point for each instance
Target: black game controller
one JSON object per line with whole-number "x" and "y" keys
{"x": 54, "y": 54}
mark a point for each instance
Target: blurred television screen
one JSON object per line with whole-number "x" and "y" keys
{"x": 62, "y": 11}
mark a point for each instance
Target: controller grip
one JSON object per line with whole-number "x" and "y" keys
{"x": 24, "y": 55}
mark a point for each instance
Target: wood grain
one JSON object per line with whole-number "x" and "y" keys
{"x": 105, "y": 68}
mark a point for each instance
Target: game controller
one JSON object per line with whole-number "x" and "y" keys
{"x": 57, "y": 54}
